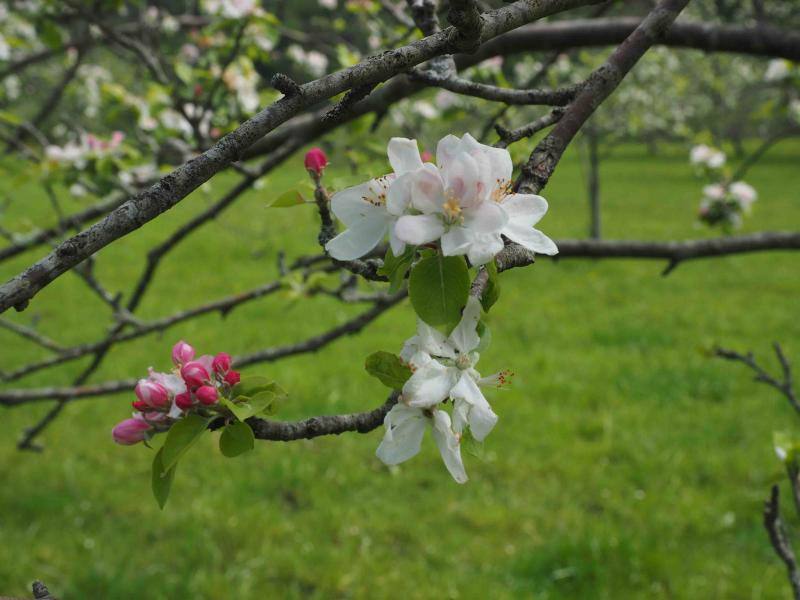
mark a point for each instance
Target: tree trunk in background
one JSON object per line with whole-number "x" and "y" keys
{"x": 593, "y": 185}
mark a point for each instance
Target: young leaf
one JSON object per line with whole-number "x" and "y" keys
{"x": 388, "y": 368}
{"x": 182, "y": 436}
{"x": 293, "y": 197}
{"x": 237, "y": 438}
{"x": 438, "y": 287}
{"x": 250, "y": 386}
{"x": 396, "y": 267}
{"x": 492, "y": 291}
{"x": 161, "y": 479}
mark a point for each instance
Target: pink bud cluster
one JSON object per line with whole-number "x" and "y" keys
{"x": 163, "y": 398}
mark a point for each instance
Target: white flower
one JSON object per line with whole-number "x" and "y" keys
{"x": 700, "y": 154}
{"x": 425, "y": 109}
{"x": 329, "y": 4}
{"x": 463, "y": 203}
{"x": 744, "y": 193}
{"x": 444, "y": 367}
{"x": 232, "y": 9}
{"x": 716, "y": 160}
{"x": 715, "y": 191}
{"x": 777, "y": 70}
{"x": 405, "y": 427}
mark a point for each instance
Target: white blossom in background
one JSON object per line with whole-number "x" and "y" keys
{"x": 232, "y": 9}
{"x": 443, "y": 369}
{"x": 314, "y": 61}
{"x": 12, "y": 86}
{"x": 5, "y": 49}
{"x": 425, "y": 109}
{"x": 329, "y": 4}
{"x": 465, "y": 204}
{"x": 777, "y": 70}
{"x": 744, "y": 193}
{"x": 703, "y": 155}
{"x": 242, "y": 79}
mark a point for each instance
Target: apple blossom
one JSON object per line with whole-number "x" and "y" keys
{"x": 221, "y": 363}
{"x": 184, "y": 401}
{"x": 744, "y": 193}
{"x": 232, "y": 377}
{"x": 777, "y": 70}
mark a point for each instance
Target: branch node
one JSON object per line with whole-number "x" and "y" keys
{"x": 285, "y": 85}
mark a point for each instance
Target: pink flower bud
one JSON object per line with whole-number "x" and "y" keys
{"x": 130, "y": 431}
{"x": 182, "y": 353}
{"x": 183, "y": 401}
{"x": 194, "y": 374}
{"x": 151, "y": 393}
{"x": 222, "y": 363}
{"x": 232, "y": 377}
{"x": 206, "y": 394}
{"x": 140, "y": 405}
{"x": 316, "y": 161}
{"x": 426, "y": 156}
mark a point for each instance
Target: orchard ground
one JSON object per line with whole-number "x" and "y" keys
{"x": 626, "y": 463}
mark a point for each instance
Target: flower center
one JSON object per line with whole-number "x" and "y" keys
{"x": 501, "y": 190}
{"x": 451, "y": 208}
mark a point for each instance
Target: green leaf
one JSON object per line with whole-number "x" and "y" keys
{"x": 250, "y": 386}
{"x": 396, "y": 267}
{"x": 161, "y": 479}
{"x": 10, "y": 118}
{"x": 388, "y": 368}
{"x": 293, "y": 197}
{"x": 182, "y": 436}
{"x": 237, "y": 438}
{"x": 438, "y": 287}
{"x": 492, "y": 291}
{"x": 262, "y": 403}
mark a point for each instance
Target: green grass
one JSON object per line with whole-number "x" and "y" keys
{"x": 626, "y": 463}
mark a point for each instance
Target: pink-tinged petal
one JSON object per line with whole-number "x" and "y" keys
{"x": 403, "y": 155}
{"x": 350, "y": 205}
{"x": 358, "y": 239}
{"x": 486, "y": 217}
{"x": 484, "y": 248}
{"x": 429, "y": 385}
{"x": 462, "y": 179}
{"x": 405, "y": 427}
{"x": 465, "y": 335}
{"x": 496, "y": 160}
{"x": 427, "y": 192}
{"x": 456, "y": 241}
{"x": 449, "y": 446}
{"x": 480, "y": 415}
{"x": 446, "y": 149}
{"x": 525, "y": 209}
{"x": 419, "y": 229}
{"x": 530, "y": 238}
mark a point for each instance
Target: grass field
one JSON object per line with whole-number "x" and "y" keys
{"x": 627, "y": 463}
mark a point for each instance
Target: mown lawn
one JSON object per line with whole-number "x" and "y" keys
{"x": 626, "y": 463}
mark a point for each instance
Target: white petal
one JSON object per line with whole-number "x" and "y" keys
{"x": 484, "y": 248}
{"x": 530, "y": 238}
{"x": 449, "y": 446}
{"x": 486, "y": 217}
{"x": 480, "y": 416}
{"x": 399, "y": 195}
{"x": 403, "y": 155}
{"x": 349, "y": 205}
{"x": 456, "y": 241}
{"x": 428, "y": 189}
{"x": 525, "y": 209}
{"x": 429, "y": 385}
{"x": 433, "y": 341}
{"x": 404, "y": 430}
{"x": 358, "y": 239}
{"x": 446, "y": 149}
{"x": 465, "y": 336}
{"x": 496, "y": 164}
{"x": 419, "y": 229}
{"x": 398, "y": 246}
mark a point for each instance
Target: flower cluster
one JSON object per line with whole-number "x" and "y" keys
{"x": 443, "y": 372}
{"x": 163, "y": 398}
{"x": 724, "y": 204}
{"x": 464, "y": 203}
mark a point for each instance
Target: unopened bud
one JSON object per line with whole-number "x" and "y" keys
{"x": 316, "y": 161}
{"x": 182, "y": 353}
{"x": 130, "y": 431}
{"x": 221, "y": 363}
{"x": 194, "y": 374}
{"x": 206, "y": 394}
{"x": 232, "y": 377}
{"x": 140, "y": 405}
{"x": 151, "y": 393}
{"x": 183, "y": 401}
